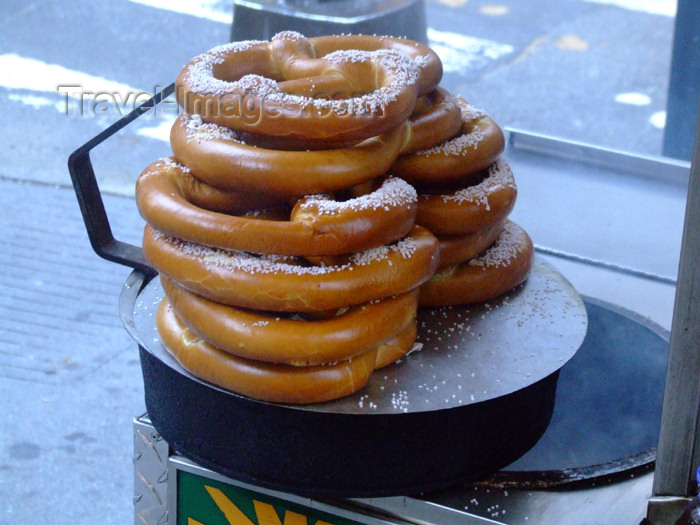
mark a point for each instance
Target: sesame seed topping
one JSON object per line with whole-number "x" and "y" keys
{"x": 289, "y": 35}
{"x": 200, "y": 74}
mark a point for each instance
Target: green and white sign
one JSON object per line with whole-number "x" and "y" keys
{"x": 205, "y": 501}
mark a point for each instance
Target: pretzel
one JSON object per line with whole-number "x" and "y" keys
{"x": 264, "y": 283}
{"x": 337, "y": 88}
{"x": 257, "y": 379}
{"x": 218, "y": 157}
{"x": 478, "y": 146}
{"x": 436, "y": 118}
{"x": 499, "y": 269}
{"x": 207, "y": 197}
{"x": 456, "y": 249}
{"x": 197, "y": 193}
{"x": 316, "y": 225}
{"x": 397, "y": 347}
{"x": 429, "y": 63}
{"x": 293, "y": 340}
{"x": 471, "y": 208}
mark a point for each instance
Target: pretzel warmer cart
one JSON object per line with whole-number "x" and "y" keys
{"x": 541, "y": 407}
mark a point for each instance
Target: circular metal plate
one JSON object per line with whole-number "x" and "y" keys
{"x": 464, "y": 355}
{"x": 607, "y": 412}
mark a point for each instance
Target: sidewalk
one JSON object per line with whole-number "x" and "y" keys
{"x": 70, "y": 376}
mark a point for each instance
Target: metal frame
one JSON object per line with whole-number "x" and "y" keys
{"x": 577, "y": 155}
{"x": 678, "y": 454}
{"x": 90, "y": 199}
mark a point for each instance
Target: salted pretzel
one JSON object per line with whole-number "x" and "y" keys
{"x": 316, "y": 225}
{"x": 257, "y": 379}
{"x": 273, "y": 382}
{"x": 394, "y": 349}
{"x": 499, "y": 269}
{"x": 436, "y": 118}
{"x": 265, "y": 283}
{"x": 479, "y": 144}
{"x": 321, "y": 190}
{"x": 473, "y": 207}
{"x": 456, "y": 249}
{"x": 207, "y": 197}
{"x": 429, "y": 63}
{"x": 217, "y": 156}
{"x": 336, "y": 88}
{"x": 293, "y": 340}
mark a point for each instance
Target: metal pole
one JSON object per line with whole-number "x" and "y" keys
{"x": 678, "y": 453}
{"x": 684, "y": 82}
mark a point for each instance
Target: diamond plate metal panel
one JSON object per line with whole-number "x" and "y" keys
{"x": 150, "y": 475}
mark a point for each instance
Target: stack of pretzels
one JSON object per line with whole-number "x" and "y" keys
{"x": 292, "y": 244}
{"x": 466, "y": 193}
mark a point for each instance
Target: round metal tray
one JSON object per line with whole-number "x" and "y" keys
{"x": 475, "y": 397}
{"x": 607, "y": 412}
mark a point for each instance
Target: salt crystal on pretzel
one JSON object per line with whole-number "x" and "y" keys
{"x": 288, "y": 87}
{"x": 244, "y": 280}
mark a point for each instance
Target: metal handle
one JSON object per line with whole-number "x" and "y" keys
{"x": 90, "y": 199}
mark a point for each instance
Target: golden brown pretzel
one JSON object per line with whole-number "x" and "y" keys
{"x": 293, "y": 340}
{"x": 478, "y": 146}
{"x": 335, "y": 88}
{"x": 210, "y": 198}
{"x": 317, "y": 225}
{"x": 499, "y": 269}
{"x": 436, "y": 118}
{"x": 215, "y": 155}
{"x": 258, "y": 379}
{"x": 429, "y": 64}
{"x": 456, "y": 249}
{"x": 397, "y": 347}
{"x": 471, "y": 208}
{"x": 263, "y": 283}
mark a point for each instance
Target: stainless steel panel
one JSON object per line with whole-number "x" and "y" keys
{"x": 150, "y": 474}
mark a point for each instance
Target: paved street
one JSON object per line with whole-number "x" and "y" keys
{"x": 595, "y": 72}
{"x": 573, "y": 69}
